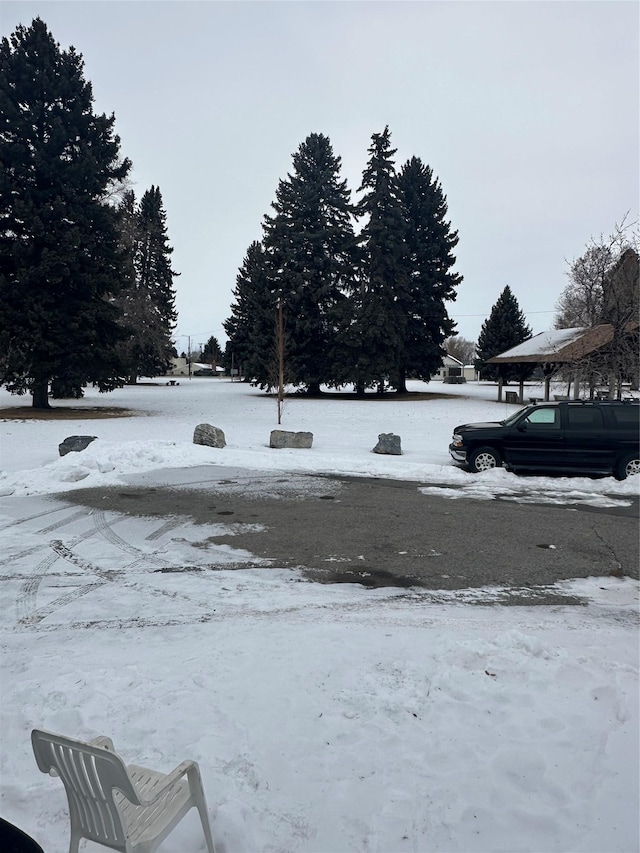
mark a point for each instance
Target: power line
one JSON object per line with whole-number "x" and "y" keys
{"x": 453, "y": 316}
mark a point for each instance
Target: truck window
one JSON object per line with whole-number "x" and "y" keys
{"x": 585, "y": 417}
{"x": 629, "y": 414}
{"x": 543, "y": 418}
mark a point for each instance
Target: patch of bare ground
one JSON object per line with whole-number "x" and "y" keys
{"x": 66, "y": 413}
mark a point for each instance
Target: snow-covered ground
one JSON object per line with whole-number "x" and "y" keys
{"x": 324, "y": 718}
{"x": 344, "y": 434}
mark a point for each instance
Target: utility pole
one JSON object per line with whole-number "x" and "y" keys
{"x": 189, "y": 354}
{"x": 280, "y": 347}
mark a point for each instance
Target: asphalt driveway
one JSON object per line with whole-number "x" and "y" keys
{"x": 388, "y": 533}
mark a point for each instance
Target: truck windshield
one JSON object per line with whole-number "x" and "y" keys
{"x": 516, "y": 416}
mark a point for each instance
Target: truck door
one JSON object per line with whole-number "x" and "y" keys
{"x": 537, "y": 441}
{"x": 586, "y": 444}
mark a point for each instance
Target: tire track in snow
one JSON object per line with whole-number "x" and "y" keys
{"x": 28, "y": 592}
{"x": 37, "y": 615}
{"x": 171, "y": 524}
{"x": 68, "y": 520}
{"x": 35, "y": 548}
{"x": 105, "y": 529}
{"x": 32, "y": 517}
{"x": 110, "y": 575}
{"x": 27, "y": 611}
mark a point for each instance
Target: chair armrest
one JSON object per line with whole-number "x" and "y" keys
{"x": 186, "y": 767}
{"x": 104, "y": 742}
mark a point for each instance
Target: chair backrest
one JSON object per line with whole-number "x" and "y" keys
{"x": 89, "y": 773}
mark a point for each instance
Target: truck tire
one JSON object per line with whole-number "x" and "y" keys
{"x": 627, "y": 466}
{"x": 484, "y": 459}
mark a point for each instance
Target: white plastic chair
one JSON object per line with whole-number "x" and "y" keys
{"x": 127, "y": 808}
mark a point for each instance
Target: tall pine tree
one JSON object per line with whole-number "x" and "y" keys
{"x": 147, "y": 304}
{"x": 309, "y": 243}
{"x": 431, "y": 283}
{"x": 60, "y": 255}
{"x": 506, "y": 327}
{"x": 374, "y": 328}
{"x": 251, "y": 328}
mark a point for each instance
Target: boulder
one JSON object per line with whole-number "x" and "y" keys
{"x": 75, "y": 443}
{"x": 208, "y": 435}
{"x": 281, "y": 438}
{"x": 388, "y": 443}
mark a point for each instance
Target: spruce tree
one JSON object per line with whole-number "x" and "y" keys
{"x": 211, "y": 351}
{"x": 147, "y": 304}
{"x": 375, "y": 324}
{"x": 60, "y": 256}
{"x": 251, "y": 328}
{"x": 309, "y": 243}
{"x": 430, "y": 243}
{"x": 506, "y": 327}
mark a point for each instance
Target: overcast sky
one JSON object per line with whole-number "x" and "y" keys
{"x": 527, "y": 112}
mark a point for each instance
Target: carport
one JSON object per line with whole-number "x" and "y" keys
{"x": 560, "y": 349}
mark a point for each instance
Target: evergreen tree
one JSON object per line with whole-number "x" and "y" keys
{"x": 211, "y": 351}
{"x": 374, "y": 325}
{"x": 309, "y": 244}
{"x": 506, "y": 327}
{"x": 147, "y": 304}
{"x": 60, "y": 258}
{"x": 430, "y": 243}
{"x": 251, "y": 329}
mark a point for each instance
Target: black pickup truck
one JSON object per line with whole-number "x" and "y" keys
{"x": 581, "y": 437}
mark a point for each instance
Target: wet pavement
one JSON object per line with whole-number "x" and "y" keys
{"x": 378, "y": 533}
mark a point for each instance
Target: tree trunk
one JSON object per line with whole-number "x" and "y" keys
{"x": 402, "y": 383}
{"x": 313, "y": 389}
{"x": 41, "y": 394}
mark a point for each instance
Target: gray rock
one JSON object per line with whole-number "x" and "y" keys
{"x": 75, "y": 443}
{"x": 208, "y": 435}
{"x": 281, "y": 438}
{"x": 388, "y": 443}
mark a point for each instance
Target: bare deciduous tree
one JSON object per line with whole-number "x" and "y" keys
{"x": 603, "y": 288}
{"x": 460, "y": 348}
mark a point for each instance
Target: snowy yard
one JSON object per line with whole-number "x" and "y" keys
{"x": 324, "y": 718}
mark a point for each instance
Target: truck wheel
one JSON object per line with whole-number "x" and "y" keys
{"x": 484, "y": 459}
{"x": 627, "y": 466}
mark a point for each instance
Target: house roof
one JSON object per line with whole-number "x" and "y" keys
{"x": 560, "y": 345}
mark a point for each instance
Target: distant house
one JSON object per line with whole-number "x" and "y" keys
{"x": 452, "y": 371}
{"x": 180, "y": 367}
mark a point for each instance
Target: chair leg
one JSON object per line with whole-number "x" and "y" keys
{"x": 197, "y": 792}
{"x": 74, "y": 844}
{"x": 206, "y": 828}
